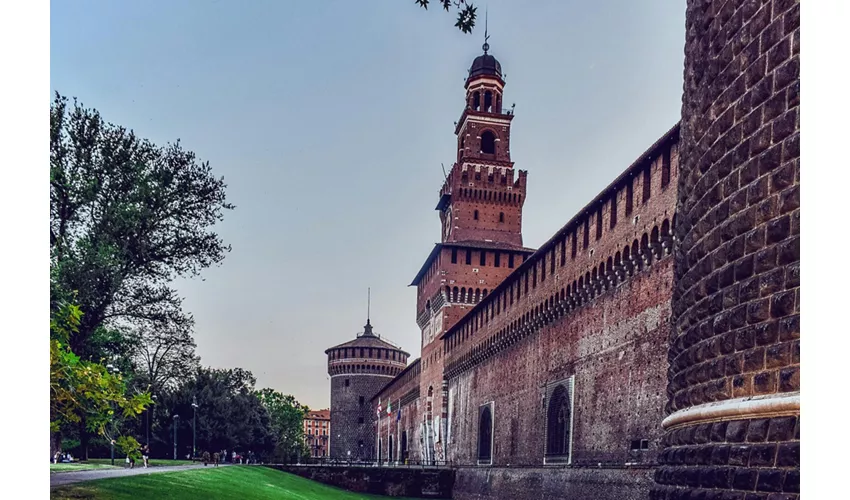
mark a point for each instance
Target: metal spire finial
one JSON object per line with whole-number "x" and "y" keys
{"x": 486, "y": 45}
{"x": 368, "y": 303}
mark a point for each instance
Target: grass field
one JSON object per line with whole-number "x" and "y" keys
{"x": 236, "y": 483}
{"x": 79, "y": 466}
{"x": 154, "y": 462}
{"x": 106, "y": 463}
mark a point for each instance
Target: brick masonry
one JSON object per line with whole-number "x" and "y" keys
{"x": 736, "y": 301}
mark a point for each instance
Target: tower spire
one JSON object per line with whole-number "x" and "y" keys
{"x": 486, "y": 45}
{"x": 367, "y": 330}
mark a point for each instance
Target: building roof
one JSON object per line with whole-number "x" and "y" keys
{"x": 368, "y": 339}
{"x": 485, "y": 65}
{"x": 477, "y": 245}
{"x": 318, "y": 414}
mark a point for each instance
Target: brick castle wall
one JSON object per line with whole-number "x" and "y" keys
{"x": 598, "y": 313}
{"x": 351, "y": 421}
{"x": 733, "y": 389}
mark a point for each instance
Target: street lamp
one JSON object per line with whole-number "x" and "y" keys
{"x": 176, "y": 417}
{"x": 110, "y": 368}
{"x": 194, "y": 423}
{"x": 148, "y": 422}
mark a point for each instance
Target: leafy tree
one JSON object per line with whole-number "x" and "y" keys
{"x": 466, "y": 12}
{"x": 229, "y": 415}
{"x": 163, "y": 355}
{"x": 126, "y": 217}
{"x": 287, "y": 423}
{"x": 81, "y": 389}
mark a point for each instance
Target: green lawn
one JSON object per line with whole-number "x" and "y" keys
{"x": 79, "y": 466}
{"x": 235, "y": 482}
{"x": 106, "y": 463}
{"x": 154, "y": 462}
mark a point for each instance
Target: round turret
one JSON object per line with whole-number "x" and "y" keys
{"x": 359, "y": 368}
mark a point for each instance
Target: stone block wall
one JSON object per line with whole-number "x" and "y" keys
{"x": 733, "y": 388}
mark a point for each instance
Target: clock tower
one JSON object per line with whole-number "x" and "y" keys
{"x": 480, "y": 206}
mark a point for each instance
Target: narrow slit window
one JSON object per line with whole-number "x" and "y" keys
{"x": 599, "y": 224}
{"x": 613, "y": 215}
{"x": 647, "y": 183}
{"x": 665, "y": 169}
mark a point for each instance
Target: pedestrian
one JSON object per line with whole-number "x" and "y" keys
{"x": 145, "y": 455}
{"x": 215, "y": 459}
{"x": 234, "y": 456}
{"x": 206, "y": 457}
{"x": 224, "y": 455}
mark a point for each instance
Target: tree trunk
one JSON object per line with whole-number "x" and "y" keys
{"x": 84, "y": 440}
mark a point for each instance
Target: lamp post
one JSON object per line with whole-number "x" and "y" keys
{"x": 148, "y": 423}
{"x": 176, "y": 417}
{"x": 194, "y": 423}
{"x": 110, "y": 368}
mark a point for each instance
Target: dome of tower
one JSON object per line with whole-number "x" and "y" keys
{"x": 485, "y": 65}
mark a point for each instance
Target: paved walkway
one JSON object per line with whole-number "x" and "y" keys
{"x": 63, "y": 478}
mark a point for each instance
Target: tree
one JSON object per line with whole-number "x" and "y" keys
{"x": 229, "y": 414}
{"x": 465, "y": 16}
{"x": 163, "y": 354}
{"x": 287, "y": 423}
{"x": 126, "y": 217}
{"x": 81, "y": 389}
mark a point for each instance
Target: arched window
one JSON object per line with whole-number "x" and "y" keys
{"x": 488, "y": 143}
{"x": 485, "y": 435}
{"x": 559, "y": 425}
{"x": 476, "y": 101}
{"x": 488, "y": 101}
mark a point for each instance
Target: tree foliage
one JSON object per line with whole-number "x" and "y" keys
{"x": 287, "y": 423}
{"x": 162, "y": 355}
{"x": 466, "y": 12}
{"x": 126, "y": 218}
{"x": 229, "y": 414}
{"x": 84, "y": 389}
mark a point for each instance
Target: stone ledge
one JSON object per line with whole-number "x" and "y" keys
{"x": 771, "y": 405}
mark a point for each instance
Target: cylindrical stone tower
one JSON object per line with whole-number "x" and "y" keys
{"x": 359, "y": 369}
{"x": 732, "y": 425}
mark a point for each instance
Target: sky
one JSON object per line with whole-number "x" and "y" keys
{"x": 329, "y": 121}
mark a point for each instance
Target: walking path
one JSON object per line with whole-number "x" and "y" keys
{"x": 63, "y": 478}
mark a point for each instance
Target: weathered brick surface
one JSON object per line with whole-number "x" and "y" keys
{"x": 387, "y": 481}
{"x": 612, "y": 345}
{"x": 737, "y": 295}
{"x": 403, "y": 394}
{"x": 502, "y": 483}
{"x": 351, "y": 422}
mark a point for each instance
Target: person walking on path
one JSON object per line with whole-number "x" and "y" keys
{"x": 215, "y": 459}
{"x": 145, "y": 455}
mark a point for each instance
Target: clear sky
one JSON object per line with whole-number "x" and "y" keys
{"x": 329, "y": 121}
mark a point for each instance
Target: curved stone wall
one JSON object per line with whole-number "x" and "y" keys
{"x": 732, "y": 429}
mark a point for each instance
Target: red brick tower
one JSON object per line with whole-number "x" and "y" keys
{"x": 481, "y": 210}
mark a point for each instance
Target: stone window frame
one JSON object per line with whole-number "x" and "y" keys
{"x": 569, "y": 385}
{"x": 478, "y": 461}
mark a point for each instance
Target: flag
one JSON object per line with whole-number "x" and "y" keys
{"x": 389, "y": 408}
{"x": 399, "y": 415}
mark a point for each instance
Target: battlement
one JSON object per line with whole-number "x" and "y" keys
{"x": 625, "y": 229}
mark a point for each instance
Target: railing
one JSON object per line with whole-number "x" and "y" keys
{"x": 494, "y": 110}
{"x": 332, "y": 462}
